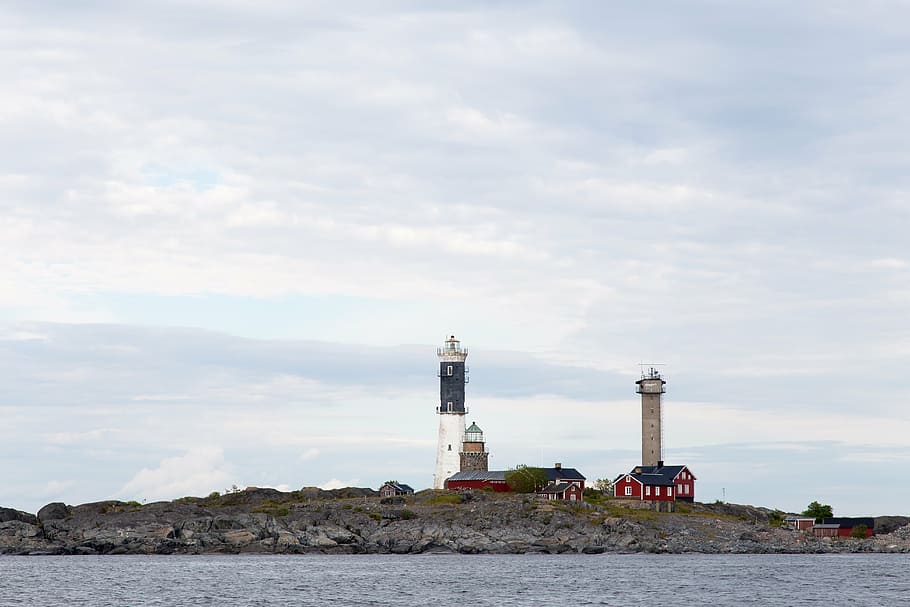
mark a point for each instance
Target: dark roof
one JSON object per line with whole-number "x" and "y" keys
{"x": 555, "y": 488}
{"x": 661, "y": 476}
{"x": 399, "y": 487}
{"x": 849, "y": 522}
{"x": 478, "y": 475}
{"x": 570, "y": 474}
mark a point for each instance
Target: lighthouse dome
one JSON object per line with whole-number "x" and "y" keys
{"x": 473, "y": 434}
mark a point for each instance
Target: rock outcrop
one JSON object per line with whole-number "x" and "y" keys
{"x": 357, "y": 521}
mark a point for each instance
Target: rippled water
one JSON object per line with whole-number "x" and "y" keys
{"x": 455, "y": 580}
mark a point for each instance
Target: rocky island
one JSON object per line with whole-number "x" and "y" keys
{"x": 354, "y": 521}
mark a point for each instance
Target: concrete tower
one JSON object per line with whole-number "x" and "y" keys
{"x": 473, "y": 454}
{"x": 451, "y": 409}
{"x": 651, "y": 386}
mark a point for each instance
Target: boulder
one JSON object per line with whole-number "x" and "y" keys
{"x": 8, "y": 514}
{"x": 54, "y": 511}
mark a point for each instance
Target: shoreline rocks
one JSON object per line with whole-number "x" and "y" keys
{"x": 356, "y": 521}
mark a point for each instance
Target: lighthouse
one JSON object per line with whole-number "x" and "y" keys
{"x": 651, "y": 387}
{"x": 451, "y": 410}
{"x": 474, "y": 454}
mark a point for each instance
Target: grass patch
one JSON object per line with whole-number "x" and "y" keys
{"x": 445, "y": 498}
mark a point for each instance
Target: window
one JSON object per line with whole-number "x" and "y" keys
{"x": 572, "y": 497}
{"x": 647, "y": 490}
{"x": 450, "y": 447}
{"x": 628, "y": 490}
{"x": 449, "y": 370}
{"x": 449, "y": 405}
{"x": 657, "y": 491}
{"x": 669, "y": 491}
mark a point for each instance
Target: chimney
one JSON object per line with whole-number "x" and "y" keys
{"x": 558, "y": 466}
{"x": 660, "y": 463}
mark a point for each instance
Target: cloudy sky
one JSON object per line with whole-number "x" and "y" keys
{"x": 232, "y": 234}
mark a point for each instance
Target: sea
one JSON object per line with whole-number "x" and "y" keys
{"x": 449, "y": 580}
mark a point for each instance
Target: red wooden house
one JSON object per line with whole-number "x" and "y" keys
{"x": 656, "y": 483}
{"x": 571, "y": 491}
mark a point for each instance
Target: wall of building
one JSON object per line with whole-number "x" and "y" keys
{"x": 474, "y": 461}
{"x": 448, "y": 460}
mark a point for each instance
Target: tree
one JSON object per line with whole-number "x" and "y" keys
{"x": 525, "y": 479}
{"x": 604, "y": 485}
{"x": 818, "y": 511}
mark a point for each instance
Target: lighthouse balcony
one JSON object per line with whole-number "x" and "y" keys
{"x": 452, "y": 410}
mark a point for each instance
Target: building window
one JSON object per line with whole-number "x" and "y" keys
{"x": 449, "y": 405}
{"x": 450, "y": 447}
{"x": 657, "y": 491}
{"x": 449, "y": 370}
{"x": 647, "y": 490}
{"x": 572, "y": 497}
{"x": 628, "y": 490}
{"x": 669, "y": 491}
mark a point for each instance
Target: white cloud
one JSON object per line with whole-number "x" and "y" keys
{"x": 199, "y": 471}
{"x": 337, "y": 484}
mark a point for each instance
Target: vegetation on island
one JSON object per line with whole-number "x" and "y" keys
{"x": 526, "y": 479}
{"x": 818, "y": 511}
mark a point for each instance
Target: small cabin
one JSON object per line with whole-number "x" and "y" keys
{"x": 394, "y": 488}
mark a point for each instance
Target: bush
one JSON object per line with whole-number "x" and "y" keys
{"x": 859, "y": 532}
{"x": 408, "y": 514}
{"x": 776, "y": 518}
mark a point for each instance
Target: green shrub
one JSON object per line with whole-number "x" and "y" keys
{"x": 408, "y": 514}
{"x": 859, "y": 532}
{"x": 776, "y": 518}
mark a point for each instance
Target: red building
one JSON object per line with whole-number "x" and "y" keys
{"x": 568, "y": 491}
{"x": 656, "y": 483}
{"x": 496, "y": 479}
{"x": 478, "y": 479}
{"x": 843, "y": 526}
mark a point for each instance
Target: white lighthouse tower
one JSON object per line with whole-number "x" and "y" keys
{"x": 451, "y": 410}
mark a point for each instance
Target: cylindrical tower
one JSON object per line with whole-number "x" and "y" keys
{"x": 651, "y": 387}
{"x": 473, "y": 454}
{"x": 451, "y": 409}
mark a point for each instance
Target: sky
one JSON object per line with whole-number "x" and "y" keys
{"x": 233, "y": 234}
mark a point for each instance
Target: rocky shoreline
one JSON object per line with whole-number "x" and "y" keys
{"x": 357, "y": 521}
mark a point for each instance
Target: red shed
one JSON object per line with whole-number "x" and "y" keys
{"x": 478, "y": 479}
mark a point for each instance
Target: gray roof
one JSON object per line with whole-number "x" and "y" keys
{"x": 552, "y": 474}
{"x": 479, "y": 475}
{"x": 555, "y": 488}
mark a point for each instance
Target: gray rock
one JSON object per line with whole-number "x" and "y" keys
{"x": 54, "y": 511}
{"x": 8, "y": 514}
